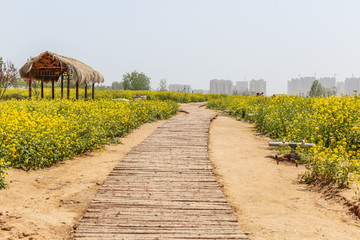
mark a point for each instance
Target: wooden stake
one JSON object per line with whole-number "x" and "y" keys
{"x": 77, "y": 90}
{"x": 93, "y": 91}
{"x": 68, "y": 85}
{"x": 42, "y": 88}
{"x": 30, "y": 85}
{"x": 62, "y": 85}
{"x": 85, "y": 90}
{"x": 53, "y": 88}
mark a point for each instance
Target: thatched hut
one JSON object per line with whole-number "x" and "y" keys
{"x": 50, "y": 67}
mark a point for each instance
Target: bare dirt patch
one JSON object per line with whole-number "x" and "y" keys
{"x": 267, "y": 198}
{"x": 48, "y": 203}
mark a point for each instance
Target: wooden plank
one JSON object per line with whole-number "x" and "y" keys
{"x": 62, "y": 84}
{"x": 77, "y": 90}
{"x": 30, "y": 85}
{"x": 164, "y": 188}
{"x": 68, "y": 84}
{"x": 52, "y": 88}
{"x": 93, "y": 91}
{"x": 42, "y": 88}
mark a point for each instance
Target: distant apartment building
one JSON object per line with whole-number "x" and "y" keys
{"x": 305, "y": 85}
{"x": 221, "y": 86}
{"x": 300, "y": 86}
{"x": 352, "y": 85}
{"x": 340, "y": 88}
{"x": 241, "y": 87}
{"x": 328, "y": 82}
{"x": 293, "y": 86}
{"x": 258, "y": 86}
{"x": 180, "y": 88}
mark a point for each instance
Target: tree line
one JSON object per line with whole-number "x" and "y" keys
{"x": 137, "y": 81}
{"x": 317, "y": 90}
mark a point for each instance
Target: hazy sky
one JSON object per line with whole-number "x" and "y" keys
{"x": 190, "y": 41}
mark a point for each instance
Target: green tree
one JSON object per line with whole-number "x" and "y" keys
{"x": 136, "y": 81}
{"x": 162, "y": 85}
{"x": 316, "y": 89}
{"x": 117, "y": 85}
{"x": 20, "y": 83}
{"x": 330, "y": 91}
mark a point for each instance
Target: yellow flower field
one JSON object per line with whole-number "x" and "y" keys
{"x": 112, "y": 94}
{"x": 36, "y": 134}
{"x": 332, "y": 123}
{"x": 39, "y": 133}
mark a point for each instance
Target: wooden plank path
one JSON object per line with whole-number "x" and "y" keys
{"x": 164, "y": 188}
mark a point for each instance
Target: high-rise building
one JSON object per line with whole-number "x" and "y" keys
{"x": 340, "y": 88}
{"x": 352, "y": 85}
{"x": 300, "y": 86}
{"x": 258, "y": 86}
{"x": 242, "y": 87}
{"x": 180, "y": 88}
{"x": 329, "y": 83}
{"x": 293, "y": 86}
{"x": 305, "y": 85}
{"x": 221, "y": 86}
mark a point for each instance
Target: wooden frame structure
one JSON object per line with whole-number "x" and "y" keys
{"x": 50, "y": 67}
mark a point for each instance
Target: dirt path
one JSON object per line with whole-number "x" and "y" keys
{"x": 266, "y": 197}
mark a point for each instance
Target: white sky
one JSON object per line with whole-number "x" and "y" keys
{"x": 190, "y": 41}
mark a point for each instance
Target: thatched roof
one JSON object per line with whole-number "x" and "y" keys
{"x": 57, "y": 64}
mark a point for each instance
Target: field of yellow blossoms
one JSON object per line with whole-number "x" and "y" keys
{"x": 113, "y": 94}
{"x": 39, "y": 133}
{"x": 332, "y": 123}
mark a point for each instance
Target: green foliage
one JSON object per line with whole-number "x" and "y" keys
{"x": 3, "y": 168}
{"x": 16, "y": 96}
{"x": 162, "y": 85}
{"x": 316, "y": 90}
{"x": 136, "y": 81}
{"x": 20, "y": 83}
{"x": 117, "y": 85}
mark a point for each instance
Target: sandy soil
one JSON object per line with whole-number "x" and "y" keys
{"x": 268, "y": 201}
{"x": 266, "y": 197}
{"x": 48, "y": 203}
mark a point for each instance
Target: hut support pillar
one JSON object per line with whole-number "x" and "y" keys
{"x": 77, "y": 90}
{"x": 68, "y": 85}
{"x": 93, "y": 91}
{"x": 30, "y": 85}
{"x": 62, "y": 85}
{"x": 53, "y": 88}
{"x": 86, "y": 90}
{"x": 42, "y": 88}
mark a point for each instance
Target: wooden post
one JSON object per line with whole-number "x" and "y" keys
{"x": 30, "y": 85}
{"x": 62, "y": 84}
{"x": 93, "y": 91}
{"x": 42, "y": 88}
{"x": 68, "y": 85}
{"x": 77, "y": 90}
{"x": 53, "y": 88}
{"x": 85, "y": 90}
